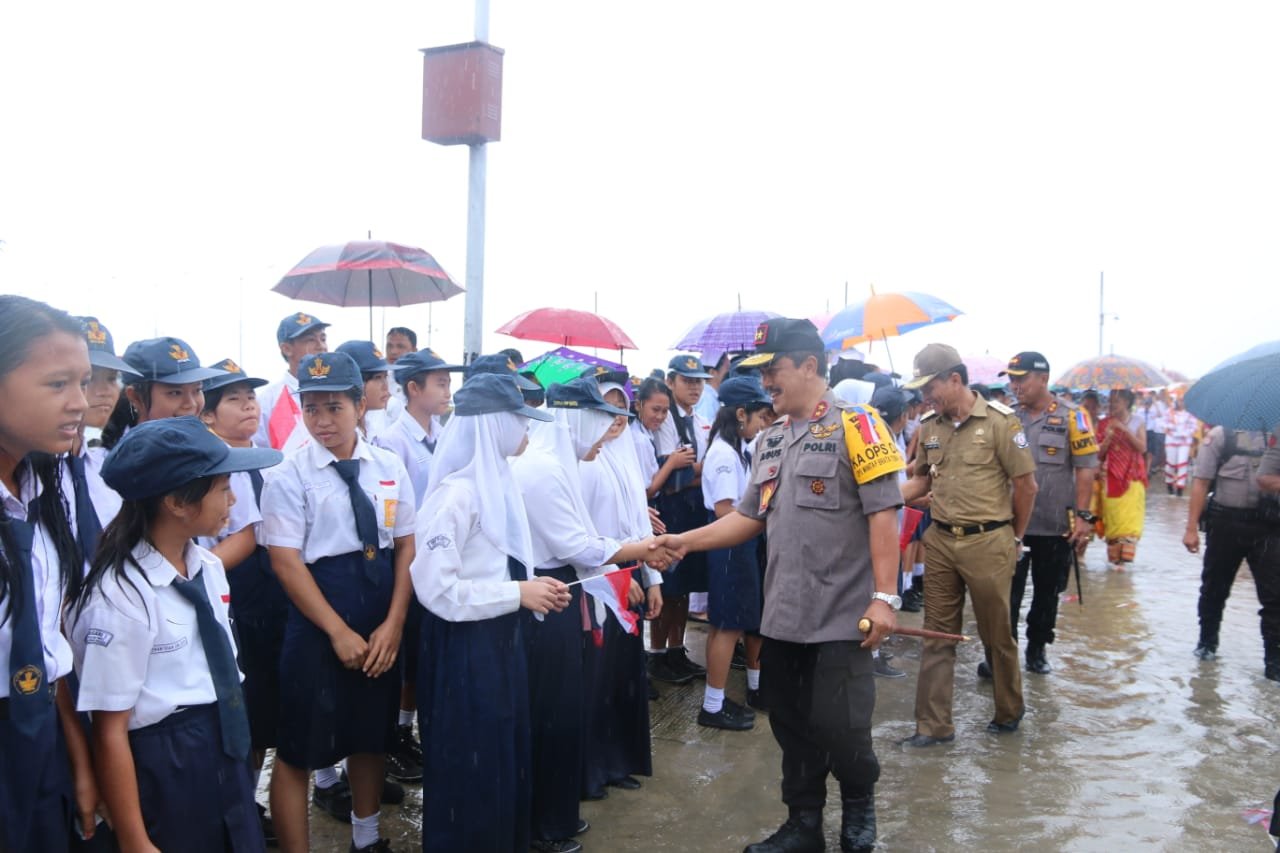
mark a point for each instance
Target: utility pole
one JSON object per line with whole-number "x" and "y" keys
{"x": 1102, "y": 314}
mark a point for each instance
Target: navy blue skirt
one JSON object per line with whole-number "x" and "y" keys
{"x": 616, "y": 733}
{"x": 259, "y": 609}
{"x": 410, "y": 641}
{"x": 36, "y": 799}
{"x": 556, "y": 695}
{"x": 473, "y": 716}
{"x": 193, "y": 796}
{"x": 734, "y": 600}
{"x": 328, "y": 712}
{"x": 682, "y": 512}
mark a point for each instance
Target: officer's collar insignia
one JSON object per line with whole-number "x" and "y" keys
{"x": 1053, "y": 406}
{"x": 820, "y": 410}
{"x": 28, "y": 679}
{"x": 177, "y": 353}
{"x": 93, "y": 332}
{"x": 303, "y": 319}
{"x": 318, "y": 369}
{"x": 370, "y": 552}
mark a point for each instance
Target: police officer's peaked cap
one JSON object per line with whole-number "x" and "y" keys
{"x": 297, "y": 324}
{"x": 688, "y": 366}
{"x": 931, "y": 361}
{"x": 581, "y": 393}
{"x": 783, "y": 335}
{"x": 1024, "y": 363}
{"x": 488, "y": 393}
{"x": 232, "y": 374}
{"x": 501, "y": 365}
{"x": 168, "y": 360}
{"x": 329, "y": 371}
{"x": 743, "y": 391}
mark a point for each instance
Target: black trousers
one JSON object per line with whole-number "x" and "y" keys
{"x": 1233, "y": 537}
{"x": 1048, "y": 561}
{"x": 820, "y": 698}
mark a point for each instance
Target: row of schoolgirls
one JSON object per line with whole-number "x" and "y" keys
{"x": 133, "y": 697}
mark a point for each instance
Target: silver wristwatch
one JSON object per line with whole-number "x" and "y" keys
{"x": 893, "y": 601}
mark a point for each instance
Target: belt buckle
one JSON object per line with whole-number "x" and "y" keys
{"x": 957, "y": 531}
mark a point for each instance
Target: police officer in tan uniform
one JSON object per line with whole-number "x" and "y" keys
{"x": 824, "y": 485}
{"x": 1227, "y": 465}
{"x": 974, "y": 457}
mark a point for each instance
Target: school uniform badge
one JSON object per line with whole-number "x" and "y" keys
{"x": 370, "y": 552}
{"x": 435, "y": 543}
{"x": 28, "y": 679}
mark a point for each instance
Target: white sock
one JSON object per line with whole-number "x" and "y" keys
{"x": 906, "y": 580}
{"x": 406, "y": 718}
{"x": 712, "y": 699}
{"x": 875, "y": 654}
{"x": 326, "y": 777}
{"x": 753, "y": 679}
{"x": 364, "y": 830}
{"x": 917, "y": 570}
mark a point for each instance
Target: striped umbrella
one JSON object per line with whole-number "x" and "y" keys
{"x": 884, "y": 315}
{"x": 1112, "y": 371}
{"x": 1242, "y": 395}
{"x": 712, "y": 337}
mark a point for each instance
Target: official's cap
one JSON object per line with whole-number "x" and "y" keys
{"x": 157, "y": 457}
{"x": 414, "y": 364}
{"x": 102, "y": 347}
{"x": 688, "y": 366}
{"x": 168, "y": 360}
{"x": 488, "y": 392}
{"x": 366, "y": 356}
{"x": 1024, "y": 363}
{"x": 297, "y": 324}
{"x": 930, "y": 361}
{"x": 743, "y": 391}
{"x": 580, "y": 393}
{"x": 232, "y": 374}
{"x": 501, "y": 365}
{"x": 329, "y": 371}
{"x": 783, "y": 335}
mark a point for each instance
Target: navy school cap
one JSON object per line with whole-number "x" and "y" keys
{"x": 233, "y": 374}
{"x": 501, "y": 365}
{"x": 367, "y": 356}
{"x": 1024, "y": 363}
{"x": 487, "y": 393}
{"x": 167, "y": 360}
{"x": 297, "y": 324}
{"x": 743, "y": 391}
{"x": 891, "y": 402}
{"x": 783, "y": 335}
{"x": 329, "y": 371}
{"x": 423, "y": 361}
{"x": 688, "y": 366}
{"x": 157, "y": 457}
{"x": 102, "y": 347}
{"x": 581, "y": 393}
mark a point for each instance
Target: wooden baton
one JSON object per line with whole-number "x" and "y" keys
{"x": 864, "y": 625}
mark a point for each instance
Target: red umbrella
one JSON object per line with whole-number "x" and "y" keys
{"x": 569, "y": 328}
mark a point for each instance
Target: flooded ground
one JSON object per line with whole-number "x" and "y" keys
{"x": 1130, "y": 744}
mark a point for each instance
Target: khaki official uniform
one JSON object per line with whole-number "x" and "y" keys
{"x": 970, "y": 545}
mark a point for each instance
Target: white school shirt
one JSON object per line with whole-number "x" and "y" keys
{"x": 267, "y": 398}
{"x": 404, "y": 437}
{"x": 645, "y": 450}
{"x": 244, "y": 512}
{"x": 48, "y": 588}
{"x": 667, "y": 439}
{"x": 106, "y": 501}
{"x": 137, "y": 640}
{"x": 306, "y": 504}
{"x": 724, "y": 476}
{"x": 457, "y": 572}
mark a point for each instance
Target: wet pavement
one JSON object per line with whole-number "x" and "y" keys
{"x": 1131, "y": 743}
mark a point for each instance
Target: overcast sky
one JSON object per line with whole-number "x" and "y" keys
{"x": 162, "y": 169}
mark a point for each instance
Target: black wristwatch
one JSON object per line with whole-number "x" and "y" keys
{"x": 1086, "y": 516}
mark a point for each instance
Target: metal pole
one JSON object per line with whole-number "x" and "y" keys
{"x": 1102, "y": 315}
{"x": 482, "y": 20}
{"x": 473, "y": 320}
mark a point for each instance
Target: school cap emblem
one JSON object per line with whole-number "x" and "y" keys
{"x": 230, "y": 367}
{"x": 318, "y": 369}
{"x": 377, "y": 353}
{"x": 28, "y": 679}
{"x": 511, "y": 365}
{"x": 691, "y": 363}
{"x": 177, "y": 353}
{"x": 94, "y": 334}
{"x": 303, "y": 319}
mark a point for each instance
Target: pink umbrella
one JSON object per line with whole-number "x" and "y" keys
{"x": 984, "y": 369}
{"x": 569, "y": 328}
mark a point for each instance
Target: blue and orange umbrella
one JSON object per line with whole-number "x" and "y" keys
{"x": 884, "y": 315}
{"x": 1112, "y": 371}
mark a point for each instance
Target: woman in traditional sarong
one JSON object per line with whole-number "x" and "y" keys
{"x": 1124, "y": 501}
{"x": 1179, "y": 438}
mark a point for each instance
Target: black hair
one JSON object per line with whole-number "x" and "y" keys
{"x": 130, "y": 526}
{"x": 650, "y": 388}
{"x": 1125, "y": 394}
{"x": 726, "y": 424}
{"x": 960, "y": 370}
{"x": 407, "y": 332}
{"x": 124, "y": 416}
{"x": 798, "y": 356}
{"x": 981, "y": 390}
{"x": 355, "y": 395}
{"x": 513, "y": 354}
{"x": 213, "y": 397}
{"x": 847, "y": 368}
{"x": 22, "y": 322}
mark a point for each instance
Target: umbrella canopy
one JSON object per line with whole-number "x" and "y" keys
{"x": 1269, "y": 348}
{"x": 734, "y": 331}
{"x": 884, "y": 315}
{"x": 368, "y": 273}
{"x": 984, "y": 369}
{"x": 1242, "y": 395}
{"x": 564, "y": 364}
{"x": 1112, "y": 371}
{"x": 568, "y": 327}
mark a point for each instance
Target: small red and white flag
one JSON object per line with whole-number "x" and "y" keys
{"x": 611, "y": 588}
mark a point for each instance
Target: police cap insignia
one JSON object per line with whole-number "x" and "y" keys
{"x": 762, "y": 333}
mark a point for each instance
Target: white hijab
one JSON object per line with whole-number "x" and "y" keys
{"x": 472, "y": 454}
{"x": 854, "y": 391}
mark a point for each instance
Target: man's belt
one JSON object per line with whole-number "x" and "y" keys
{"x": 960, "y": 531}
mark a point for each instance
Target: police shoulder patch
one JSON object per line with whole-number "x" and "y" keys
{"x": 1020, "y": 439}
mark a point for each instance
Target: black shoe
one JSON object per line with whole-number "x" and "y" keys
{"x": 919, "y": 741}
{"x": 1272, "y": 671}
{"x": 1206, "y": 653}
{"x": 678, "y": 660}
{"x": 1005, "y": 728}
{"x": 739, "y": 660}
{"x": 268, "y": 827}
{"x": 626, "y": 783}
{"x": 564, "y": 845}
{"x": 594, "y": 796}
{"x": 755, "y": 700}
{"x": 660, "y": 669}
{"x": 858, "y": 824}
{"x": 984, "y": 670}
{"x": 913, "y": 600}
{"x": 740, "y": 710}
{"x": 583, "y": 826}
{"x": 334, "y": 801}
{"x": 1036, "y": 661}
{"x": 402, "y": 768}
{"x": 654, "y": 695}
{"x": 884, "y": 669}
{"x": 802, "y": 833}
{"x": 725, "y": 719}
{"x": 382, "y": 845}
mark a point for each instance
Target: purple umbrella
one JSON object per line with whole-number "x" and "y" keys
{"x": 731, "y": 332}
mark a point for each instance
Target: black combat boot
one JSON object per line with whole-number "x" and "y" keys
{"x": 1036, "y": 661}
{"x": 802, "y": 833}
{"x": 1272, "y": 662}
{"x": 858, "y": 825}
